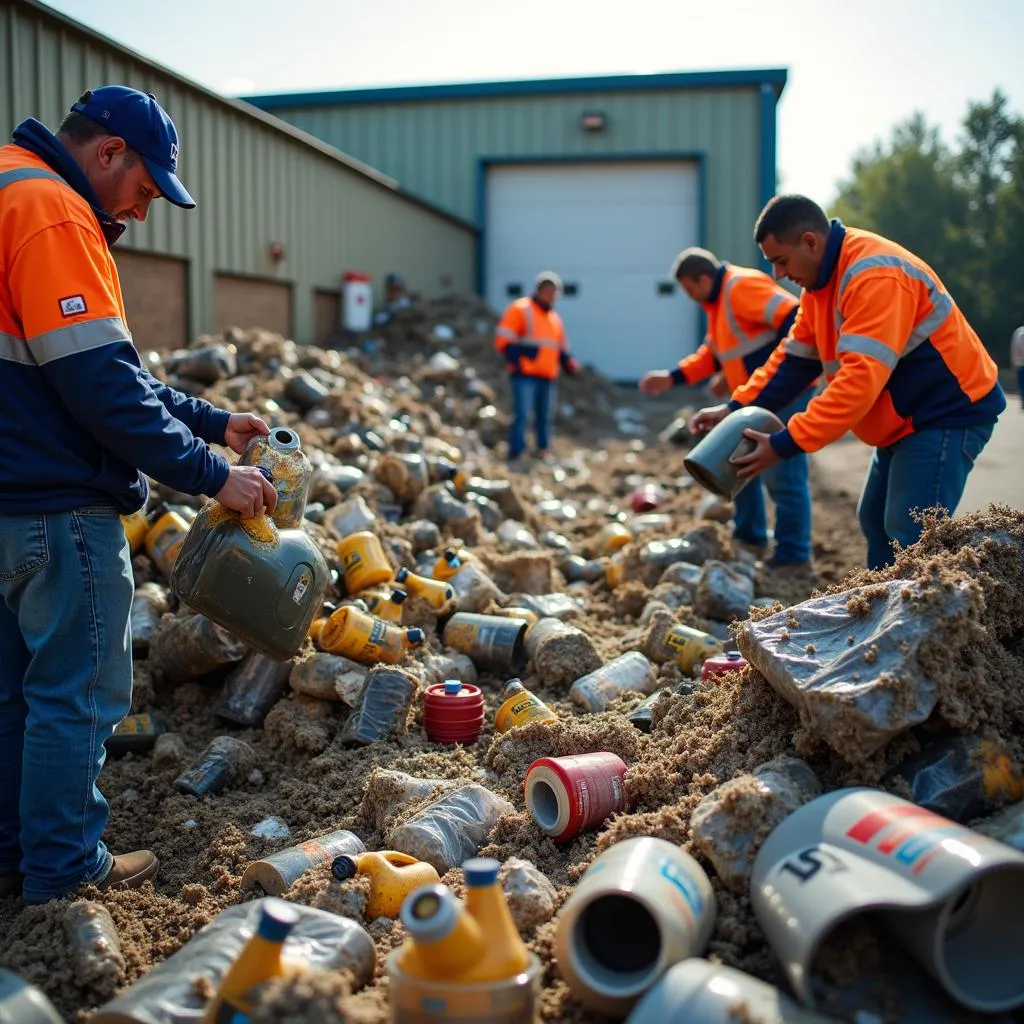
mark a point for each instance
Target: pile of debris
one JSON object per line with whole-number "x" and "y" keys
{"x": 231, "y": 758}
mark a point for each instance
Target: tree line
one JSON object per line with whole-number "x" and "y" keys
{"x": 960, "y": 208}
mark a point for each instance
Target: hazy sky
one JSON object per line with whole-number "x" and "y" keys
{"x": 855, "y": 66}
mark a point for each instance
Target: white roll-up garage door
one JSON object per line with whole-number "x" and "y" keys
{"x": 611, "y": 230}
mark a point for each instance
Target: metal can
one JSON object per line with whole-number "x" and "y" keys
{"x": 494, "y": 643}
{"x": 569, "y": 795}
{"x": 277, "y": 873}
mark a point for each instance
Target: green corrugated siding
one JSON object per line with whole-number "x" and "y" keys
{"x": 254, "y": 184}
{"x": 432, "y": 147}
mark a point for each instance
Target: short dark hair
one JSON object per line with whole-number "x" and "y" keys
{"x": 788, "y": 217}
{"x": 79, "y": 129}
{"x": 694, "y": 263}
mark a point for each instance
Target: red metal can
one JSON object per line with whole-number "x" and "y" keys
{"x": 730, "y": 661}
{"x": 453, "y": 712}
{"x": 647, "y": 498}
{"x": 568, "y": 795}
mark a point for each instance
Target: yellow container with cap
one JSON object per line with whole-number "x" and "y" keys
{"x": 447, "y": 565}
{"x": 363, "y": 562}
{"x": 165, "y": 539}
{"x": 521, "y": 706}
{"x": 691, "y": 646}
{"x": 136, "y": 527}
{"x": 388, "y": 607}
{"x": 392, "y": 877}
{"x": 438, "y": 594}
{"x": 367, "y": 639}
{"x": 260, "y": 960}
{"x": 613, "y": 537}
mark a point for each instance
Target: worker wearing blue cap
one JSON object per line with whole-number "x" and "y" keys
{"x": 82, "y": 426}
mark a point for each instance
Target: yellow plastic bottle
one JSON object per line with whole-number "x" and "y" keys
{"x": 613, "y": 537}
{"x": 506, "y": 954}
{"x": 438, "y": 594}
{"x": 363, "y": 562}
{"x": 136, "y": 526}
{"x": 366, "y": 639}
{"x": 390, "y": 608}
{"x": 444, "y": 940}
{"x": 165, "y": 538}
{"x": 392, "y": 877}
{"x": 259, "y": 961}
{"x": 447, "y": 565}
{"x": 520, "y": 707}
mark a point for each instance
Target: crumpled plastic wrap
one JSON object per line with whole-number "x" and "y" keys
{"x": 452, "y": 828}
{"x": 169, "y": 993}
{"x": 383, "y": 707}
{"x": 848, "y": 661}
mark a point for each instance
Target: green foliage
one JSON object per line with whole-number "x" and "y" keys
{"x": 960, "y": 209}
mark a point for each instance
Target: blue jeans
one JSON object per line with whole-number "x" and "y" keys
{"x": 928, "y": 469}
{"x": 788, "y": 484}
{"x": 65, "y": 682}
{"x": 530, "y": 395}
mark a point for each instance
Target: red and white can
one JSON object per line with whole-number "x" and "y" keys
{"x": 568, "y": 795}
{"x": 647, "y": 498}
{"x": 730, "y": 661}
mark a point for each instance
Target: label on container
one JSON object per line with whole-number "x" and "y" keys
{"x": 301, "y": 587}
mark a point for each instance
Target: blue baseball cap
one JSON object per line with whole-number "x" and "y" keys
{"x": 146, "y": 127}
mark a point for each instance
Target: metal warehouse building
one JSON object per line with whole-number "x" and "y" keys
{"x": 457, "y": 187}
{"x": 602, "y": 179}
{"x": 263, "y": 187}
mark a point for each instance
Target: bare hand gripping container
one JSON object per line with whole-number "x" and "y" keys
{"x": 262, "y": 578}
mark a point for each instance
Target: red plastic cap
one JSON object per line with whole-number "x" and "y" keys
{"x": 356, "y": 275}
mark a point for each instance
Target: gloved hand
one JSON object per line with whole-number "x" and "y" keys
{"x": 569, "y": 364}
{"x": 519, "y": 350}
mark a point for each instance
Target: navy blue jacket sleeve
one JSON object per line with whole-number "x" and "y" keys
{"x": 202, "y": 418}
{"x": 106, "y": 389}
{"x": 792, "y": 376}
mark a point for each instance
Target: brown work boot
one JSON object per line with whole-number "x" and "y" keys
{"x": 130, "y": 870}
{"x": 10, "y": 885}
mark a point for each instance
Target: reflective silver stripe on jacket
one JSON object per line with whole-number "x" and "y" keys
{"x": 865, "y": 345}
{"x": 746, "y": 343}
{"x": 801, "y": 349}
{"x": 940, "y": 300}
{"x": 529, "y": 339}
{"x": 64, "y": 341}
{"x": 28, "y": 174}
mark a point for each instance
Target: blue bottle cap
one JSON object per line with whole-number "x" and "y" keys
{"x": 452, "y": 686}
{"x": 733, "y": 655}
{"x": 415, "y": 635}
{"x": 481, "y": 871}
{"x": 277, "y": 918}
{"x": 402, "y": 575}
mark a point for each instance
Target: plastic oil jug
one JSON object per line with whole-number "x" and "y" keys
{"x": 392, "y": 877}
{"x": 445, "y": 940}
{"x": 166, "y": 538}
{"x": 438, "y": 594}
{"x": 136, "y": 526}
{"x": 389, "y": 608}
{"x": 366, "y": 639}
{"x": 520, "y": 707}
{"x": 259, "y": 961}
{"x": 447, "y": 565}
{"x": 363, "y": 562}
{"x": 263, "y": 579}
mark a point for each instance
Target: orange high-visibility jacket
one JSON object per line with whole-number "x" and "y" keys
{"x": 897, "y": 353}
{"x": 526, "y": 323}
{"x": 748, "y": 315}
{"x": 79, "y": 415}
